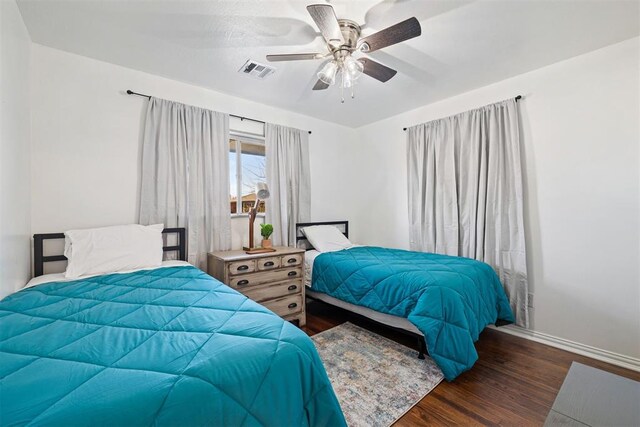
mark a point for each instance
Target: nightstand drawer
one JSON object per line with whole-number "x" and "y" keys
{"x": 241, "y": 267}
{"x": 268, "y": 263}
{"x": 291, "y": 260}
{"x": 265, "y": 277}
{"x": 262, "y": 293}
{"x": 285, "y": 306}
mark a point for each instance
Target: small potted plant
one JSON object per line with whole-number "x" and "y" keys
{"x": 266, "y": 230}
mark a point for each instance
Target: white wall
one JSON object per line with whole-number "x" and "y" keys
{"x": 581, "y": 141}
{"x": 86, "y": 142}
{"x": 15, "y": 203}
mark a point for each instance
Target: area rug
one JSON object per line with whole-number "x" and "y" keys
{"x": 376, "y": 380}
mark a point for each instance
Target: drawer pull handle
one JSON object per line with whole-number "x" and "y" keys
{"x": 293, "y": 287}
{"x": 268, "y": 264}
{"x": 243, "y": 267}
{"x": 243, "y": 282}
{"x": 292, "y": 273}
{"x": 291, "y": 260}
{"x": 293, "y": 305}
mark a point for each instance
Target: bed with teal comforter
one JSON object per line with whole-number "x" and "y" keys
{"x": 169, "y": 346}
{"x": 449, "y": 299}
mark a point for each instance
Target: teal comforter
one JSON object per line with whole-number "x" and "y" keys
{"x": 449, "y": 299}
{"x": 170, "y": 346}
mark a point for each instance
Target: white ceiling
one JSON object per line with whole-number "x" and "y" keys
{"x": 464, "y": 44}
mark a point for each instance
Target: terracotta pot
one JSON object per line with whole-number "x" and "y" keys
{"x": 266, "y": 243}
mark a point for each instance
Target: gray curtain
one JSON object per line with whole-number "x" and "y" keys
{"x": 185, "y": 175}
{"x": 465, "y": 193}
{"x": 288, "y": 178}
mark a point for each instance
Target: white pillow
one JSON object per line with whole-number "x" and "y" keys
{"x": 111, "y": 249}
{"x": 326, "y": 238}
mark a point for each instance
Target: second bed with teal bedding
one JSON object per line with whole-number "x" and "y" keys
{"x": 169, "y": 346}
{"x": 449, "y": 299}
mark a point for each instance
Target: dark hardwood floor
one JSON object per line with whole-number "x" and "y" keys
{"x": 514, "y": 382}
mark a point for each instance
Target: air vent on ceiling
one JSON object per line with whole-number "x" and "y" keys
{"x": 256, "y": 69}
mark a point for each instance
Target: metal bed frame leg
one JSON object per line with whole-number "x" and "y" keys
{"x": 422, "y": 347}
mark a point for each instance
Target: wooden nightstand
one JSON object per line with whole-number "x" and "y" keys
{"x": 273, "y": 279}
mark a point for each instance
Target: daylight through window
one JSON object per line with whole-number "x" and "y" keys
{"x": 246, "y": 168}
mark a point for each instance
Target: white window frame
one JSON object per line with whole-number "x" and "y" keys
{"x": 241, "y": 138}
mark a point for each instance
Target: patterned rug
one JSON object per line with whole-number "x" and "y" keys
{"x": 376, "y": 380}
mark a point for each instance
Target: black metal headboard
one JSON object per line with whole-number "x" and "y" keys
{"x": 300, "y": 237}
{"x": 38, "y": 248}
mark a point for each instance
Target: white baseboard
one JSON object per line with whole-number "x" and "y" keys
{"x": 572, "y": 346}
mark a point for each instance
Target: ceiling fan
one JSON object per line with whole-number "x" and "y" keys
{"x": 343, "y": 40}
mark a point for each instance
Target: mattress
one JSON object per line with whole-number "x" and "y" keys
{"x": 385, "y": 319}
{"x": 166, "y": 346}
{"x": 449, "y": 299}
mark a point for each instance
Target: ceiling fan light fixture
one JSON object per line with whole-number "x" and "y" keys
{"x": 353, "y": 67}
{"x": 328, "y": 73}
{"x": 347, "y": 80}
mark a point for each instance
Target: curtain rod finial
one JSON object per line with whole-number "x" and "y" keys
{"x": 129, "y": 92}
{"x": 404, "y": 129}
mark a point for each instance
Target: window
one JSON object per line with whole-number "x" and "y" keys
{"x": 246, "y": 168}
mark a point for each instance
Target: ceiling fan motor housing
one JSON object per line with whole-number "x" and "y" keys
{"x": 350, "y": 33}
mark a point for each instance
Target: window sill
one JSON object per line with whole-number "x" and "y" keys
{"x": 246, "y": 215}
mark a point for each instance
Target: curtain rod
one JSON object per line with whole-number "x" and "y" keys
{"x": 130, "y": 92}
{"x": 517, "y": 98}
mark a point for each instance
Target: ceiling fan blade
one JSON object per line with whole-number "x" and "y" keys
{"x": 400, "y": 32}
{"x": 320, "y": 85}
{"x": 293, "y": 56}
{"x": 377, "y": 70}
{"x": 325, "y": 18}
